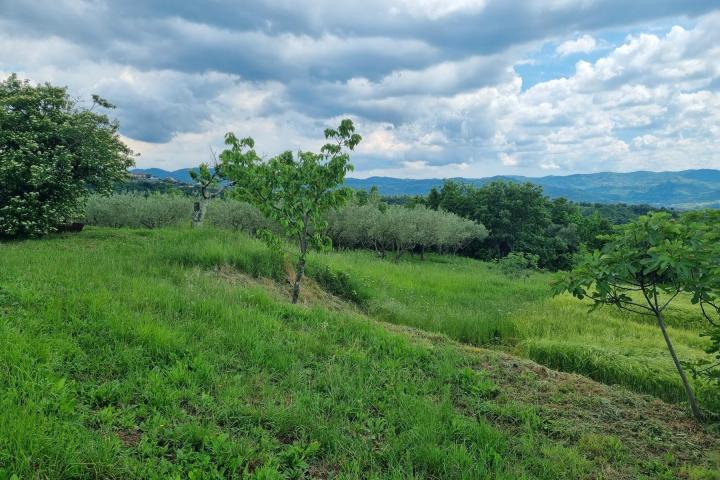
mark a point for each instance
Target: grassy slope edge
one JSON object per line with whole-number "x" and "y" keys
{"x": 473, "y": 302}
{"x": 167, "y": 354}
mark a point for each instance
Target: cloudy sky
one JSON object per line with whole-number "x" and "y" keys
{"x": 438, "y": 88}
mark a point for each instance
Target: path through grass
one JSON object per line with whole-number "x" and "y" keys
{"x": 475, "y": 303}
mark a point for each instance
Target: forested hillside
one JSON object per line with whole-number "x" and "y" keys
{"x": 684, "y": 189}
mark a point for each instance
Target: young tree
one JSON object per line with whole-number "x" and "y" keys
{"x": 53, "y": 152}
{"x": 644, "y": 267}
{"x": 296, "y": 191}
{"x": 209, "y": 182}
{"x": 706, "y": 290}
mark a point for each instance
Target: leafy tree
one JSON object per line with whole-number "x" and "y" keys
{"x": 365, "y": 197}
{"x": 295, "y": 191}
{"x": 209, "y": 182}
{"x": 518, "y": 264}
{"x": 564, "y": 212}
{"x": 646, "y": 265}
{"x": 434, "y": 198}
{"x": 516, "y": 215}
{"x": 457, "y": 198}
{"x": 592, "y": 229}
{"x": 706, "y": 291}
{"x": 53, "y": 152}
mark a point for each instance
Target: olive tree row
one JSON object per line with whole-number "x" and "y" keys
{"x": 399, "y": 230}
{"x": 157, "y": 210}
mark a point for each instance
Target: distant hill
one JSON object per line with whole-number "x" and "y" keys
{"x": 685, "y": 189}
{"x": 182, "y": 175}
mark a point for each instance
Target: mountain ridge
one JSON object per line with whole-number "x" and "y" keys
{"x": 680, "y": 189}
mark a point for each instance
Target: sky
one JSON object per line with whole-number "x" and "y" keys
{"x": 437, "y": 88}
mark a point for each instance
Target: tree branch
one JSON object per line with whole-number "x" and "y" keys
{"x": 707, "y": 315}
{"x": 671, "y": 299}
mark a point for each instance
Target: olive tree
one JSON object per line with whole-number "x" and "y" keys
{"x": 352, "y": 225}
{"x": 400, "y": 229}
{"x": 645, "y": 266}
{"x": 296, "y": 191}
{"x": 53, "y": 153}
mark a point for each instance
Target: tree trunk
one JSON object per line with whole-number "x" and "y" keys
{"x": 688, "y": 389}
{"x": 298, "y": 278}
{"x": 303, "y": 244}
{"x": 198, "y": 215}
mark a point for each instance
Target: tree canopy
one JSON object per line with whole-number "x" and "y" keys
{"x": 53, "y": 152}
{"x": 519, "y": 218}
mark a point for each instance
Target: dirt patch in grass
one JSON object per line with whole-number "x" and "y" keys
{"x": 572, "y": 405}
{"x": 311, "y": 294}
{"x": 129, "y": 438}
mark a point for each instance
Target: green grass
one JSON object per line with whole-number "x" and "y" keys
{"x": 475, "y": 303}
{"x": 135, "y": 354}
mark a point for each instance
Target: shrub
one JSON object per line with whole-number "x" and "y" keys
{"x": 518, "y": 265}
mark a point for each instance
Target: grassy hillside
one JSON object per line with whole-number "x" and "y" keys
{"x": 174, "y": 354}
{"x": 473, "y": 302}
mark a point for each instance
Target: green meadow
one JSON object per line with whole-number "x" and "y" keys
{"x": 174, "y": 353}
{"x": 474, "y": 303}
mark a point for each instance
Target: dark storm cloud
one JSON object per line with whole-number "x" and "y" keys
{"x": 360, "y": 38}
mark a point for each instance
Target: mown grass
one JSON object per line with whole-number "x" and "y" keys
{"x": 124, "y": 354}
{"x": 475, "y": 303}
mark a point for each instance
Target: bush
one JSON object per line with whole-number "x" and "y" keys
{"x": 136, "y": 210}
{"x": 518, "y": 265}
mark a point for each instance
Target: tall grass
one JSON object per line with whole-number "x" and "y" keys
{"x": 474, "y": 302}
{"x": 127, "y": 354}
{"x": 121, "y": 356}
{"x": 471, "y": 301}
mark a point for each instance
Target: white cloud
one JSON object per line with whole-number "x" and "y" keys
{"x": 435, "y": 9}
{"x": 508, "y": 160}
{"x": 653, "y": 102}
{"x": 583, "y": 44}
{"x": 645, "y": 105}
